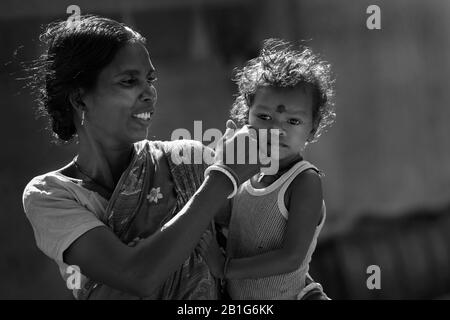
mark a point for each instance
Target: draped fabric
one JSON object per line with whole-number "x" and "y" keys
{"x": 152, "y": 190}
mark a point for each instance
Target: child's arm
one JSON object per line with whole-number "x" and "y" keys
{"x": 304, "y": 214}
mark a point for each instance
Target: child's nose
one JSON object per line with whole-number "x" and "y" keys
{"x": 280, "y": 128}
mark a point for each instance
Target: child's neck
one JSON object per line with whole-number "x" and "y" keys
{"x": 263, "y": 180}
{"x": 287, "y": 163}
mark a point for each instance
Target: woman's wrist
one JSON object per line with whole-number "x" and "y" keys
{"x": 227, "y": 172}
{"x": 219, "y": 180}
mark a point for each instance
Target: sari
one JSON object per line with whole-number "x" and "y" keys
{"x": 151, "y": 191}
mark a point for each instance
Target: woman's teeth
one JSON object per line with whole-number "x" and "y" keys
{"x": 143, "y": 116}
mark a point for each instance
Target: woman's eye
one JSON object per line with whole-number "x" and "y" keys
{"x": 151, "y": 79}
{"x": 132, "y": 81}
{"x": 128, "y": 82}
{"x": 294, "y": 122}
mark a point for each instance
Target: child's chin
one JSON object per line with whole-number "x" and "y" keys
{"x": 276, "y": 155}
{"x": 286, "y": 156}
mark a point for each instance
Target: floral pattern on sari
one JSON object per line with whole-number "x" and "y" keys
{"x": 143, "y": 201}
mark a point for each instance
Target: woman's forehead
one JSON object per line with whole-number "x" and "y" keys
{"x": 132, "y": 58}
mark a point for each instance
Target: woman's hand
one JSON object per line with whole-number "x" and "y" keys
{"x": 213, "y": 254}
{"x": 233, "y": 142}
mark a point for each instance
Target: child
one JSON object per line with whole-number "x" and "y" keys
{"x": 276, "y": 219}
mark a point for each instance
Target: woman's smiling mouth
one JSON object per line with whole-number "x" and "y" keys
{"x": 143, "y": 116}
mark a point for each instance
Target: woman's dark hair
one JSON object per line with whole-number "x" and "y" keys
{"x": 76, "y": 52}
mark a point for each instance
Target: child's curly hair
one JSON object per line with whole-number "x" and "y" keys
{"x": 280, "y": 65}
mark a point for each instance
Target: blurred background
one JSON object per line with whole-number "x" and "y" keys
{"x": 386, "y": 159}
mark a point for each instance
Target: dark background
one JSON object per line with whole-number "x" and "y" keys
{"x": 387, "y": 156}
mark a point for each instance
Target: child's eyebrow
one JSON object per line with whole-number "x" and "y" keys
{"x": 261, "y": 106}
{"x": 298, "y": 112}
{"x": 282, "y": 109}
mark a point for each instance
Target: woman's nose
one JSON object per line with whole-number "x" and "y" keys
{"x": 149, "y": 94}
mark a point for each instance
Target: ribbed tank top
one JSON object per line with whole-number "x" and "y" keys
{"x": 258, "y": 225}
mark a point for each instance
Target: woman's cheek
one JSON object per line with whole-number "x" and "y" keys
{"x": 128, "y": 97}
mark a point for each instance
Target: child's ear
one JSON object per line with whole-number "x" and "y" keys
{"x": 313, "y": 130}
{"x": 311, "y": 134}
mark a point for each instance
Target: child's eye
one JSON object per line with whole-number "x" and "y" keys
{"x": 295, "y": 122}
{"x": 264, "y": 117}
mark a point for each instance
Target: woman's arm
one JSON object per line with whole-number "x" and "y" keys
{"x": 304, "y": 215}
{"x": 140, "y": 270}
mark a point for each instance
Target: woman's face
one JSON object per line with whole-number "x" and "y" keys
{"x": 121, "y": 105}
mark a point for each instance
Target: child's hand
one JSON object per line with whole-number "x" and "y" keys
{"x": 212, "y": 253}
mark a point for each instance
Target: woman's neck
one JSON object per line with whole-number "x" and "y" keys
{"x": 103, "y": 163}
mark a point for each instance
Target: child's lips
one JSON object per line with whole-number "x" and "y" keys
{"x": 281, "y": 145}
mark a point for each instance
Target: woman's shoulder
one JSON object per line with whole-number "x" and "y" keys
{"x": 47, "y": 187}
{"x": 47, "y": 181}
{"x": 59, "y": 212}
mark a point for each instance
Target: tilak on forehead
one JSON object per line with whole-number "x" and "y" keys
{"x": 281, "y": 108}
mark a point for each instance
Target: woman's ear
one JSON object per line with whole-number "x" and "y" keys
{"x": 75, "y": 98}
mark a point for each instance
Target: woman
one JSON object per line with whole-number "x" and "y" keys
{"x": 96, "y": 83}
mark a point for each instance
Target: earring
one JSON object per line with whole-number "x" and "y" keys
{"x": 82, "y": 118}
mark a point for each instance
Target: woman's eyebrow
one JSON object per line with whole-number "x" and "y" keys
{"x": 134, "y": 72}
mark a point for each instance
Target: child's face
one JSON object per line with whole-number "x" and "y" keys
{"x": 286, "y": 109}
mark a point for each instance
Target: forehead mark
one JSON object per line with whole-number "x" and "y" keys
{"x": 281, "y": 108}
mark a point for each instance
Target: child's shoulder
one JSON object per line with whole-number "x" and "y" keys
{"x": 305, "y": 175}
{"x": 305, "y": 183}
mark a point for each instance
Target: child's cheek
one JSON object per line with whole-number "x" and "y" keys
{"x": 252, "y": 119}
